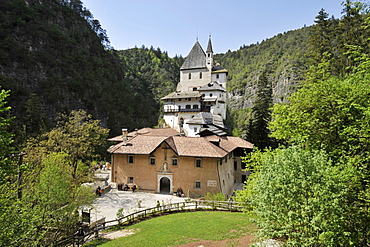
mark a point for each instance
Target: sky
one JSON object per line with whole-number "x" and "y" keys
{"x": 175, "y": 25}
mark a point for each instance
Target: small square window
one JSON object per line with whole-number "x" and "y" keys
{"x": 152, "y": 160}
{"x": 130, "y": 159}
{"x": 174, "y": 161}
{"x": 198, "y": 162}
{"x": 198, "y": 185}
{"x": 131, "y": 180}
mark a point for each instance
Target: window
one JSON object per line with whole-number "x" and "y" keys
{"x": 131, "y": 180}
{"x": 217, "y": 76}
{"x": 243, "y": 165}
{"x": 195, "y": 130}
{"x": 174, "y": 161}
{"x": 152, "y": 160}
{"x": 198, "y": 162}
{"x": 200, "y": 75}
{"x": 189, "y": 76}
{"x": 210, "y": 95}
{"x": 130, "y": 159}
{"x": 195, "y": 106}
{"x": 188, "y": 106}
{"x": 194, "y": 89}
{"x": 235, "y": 165}
{"x": 197, "y": 185}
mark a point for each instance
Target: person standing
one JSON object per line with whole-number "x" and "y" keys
{"x": 133, "y": 188}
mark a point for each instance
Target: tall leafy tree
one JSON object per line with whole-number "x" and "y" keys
{"x": 6, "y": 138}
{"x": 77, "y": 135}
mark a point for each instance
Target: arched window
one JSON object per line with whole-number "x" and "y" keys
{"x": 189, "y": 76}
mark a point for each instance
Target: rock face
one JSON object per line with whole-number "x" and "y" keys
{"x": 284, "y": 59}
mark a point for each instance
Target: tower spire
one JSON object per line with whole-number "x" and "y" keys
{"x": 209, "y": 47}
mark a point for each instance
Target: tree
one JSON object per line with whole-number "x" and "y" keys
{"x": 76, "y": 134}
{"x": 6, "y": 138}
{"x": 18, "y": 221}
{"x": 56, "y": 196}
{"x": 300, "y": 197}
{"x": 261, "y": 112}
{"x": 332, "y": 114}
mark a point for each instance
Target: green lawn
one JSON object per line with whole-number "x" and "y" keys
{"x": 181, "y": 228}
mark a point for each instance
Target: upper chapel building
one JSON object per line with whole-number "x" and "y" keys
{"x": 199, "y": 103}
{"x": 193, "y": 152}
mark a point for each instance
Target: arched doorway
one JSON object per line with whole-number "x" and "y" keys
{"x": 164, "y": 185}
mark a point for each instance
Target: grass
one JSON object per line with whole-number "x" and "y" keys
{"x": 181, "y": 228}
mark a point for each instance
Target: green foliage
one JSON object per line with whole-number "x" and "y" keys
{"x": 6, "y": 137}
{"x": 332, "y": 114}
{"x": 77, "y": 134}
{"x": 56, "y": 49}
{"x": 299, "y": 197}
{"x": 215, "y": 197}
{"x": 258, "y": 131}
{"x": 55, "y": 182}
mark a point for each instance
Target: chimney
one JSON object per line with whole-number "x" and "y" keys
{"x": 124, "y": 136}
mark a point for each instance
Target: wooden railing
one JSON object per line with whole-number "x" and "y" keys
{"x": 190, "y": 205}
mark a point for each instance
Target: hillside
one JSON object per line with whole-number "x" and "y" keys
{"x": 284, "y": 58}
{"x": 54, "y": 58}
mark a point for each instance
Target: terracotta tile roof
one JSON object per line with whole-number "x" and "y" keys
{"x": 155, "y": 132}
{"x": 229, "y": 143}
{"x": 139, "y": 144}
{"x": 146, "y": 140}
{"x": 196, "y": 147}
{"x": 148, "y": 131}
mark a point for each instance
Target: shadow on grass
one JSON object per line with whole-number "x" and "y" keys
{"x": 97, "y": 242}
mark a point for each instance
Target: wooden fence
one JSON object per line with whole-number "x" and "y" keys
{"x": 187, "y": 206}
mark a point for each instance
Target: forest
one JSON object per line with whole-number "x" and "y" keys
{"x": 301, "y": 97}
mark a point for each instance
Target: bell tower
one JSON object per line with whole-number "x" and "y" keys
{"x": 209, "y": 54}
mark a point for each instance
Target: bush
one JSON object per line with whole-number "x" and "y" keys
{"x": 299, "y": 196}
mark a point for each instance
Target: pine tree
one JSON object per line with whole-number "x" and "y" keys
{"x": 259, "y": 133}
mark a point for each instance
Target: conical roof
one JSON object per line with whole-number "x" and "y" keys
{"x": 196, "y": 58}
{"x": 209, "y": 47}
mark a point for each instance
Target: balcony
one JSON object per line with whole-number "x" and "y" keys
{"x": 181, "y": 110}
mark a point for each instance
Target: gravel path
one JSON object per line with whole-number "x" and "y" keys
{"x": 108, "y": 204}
